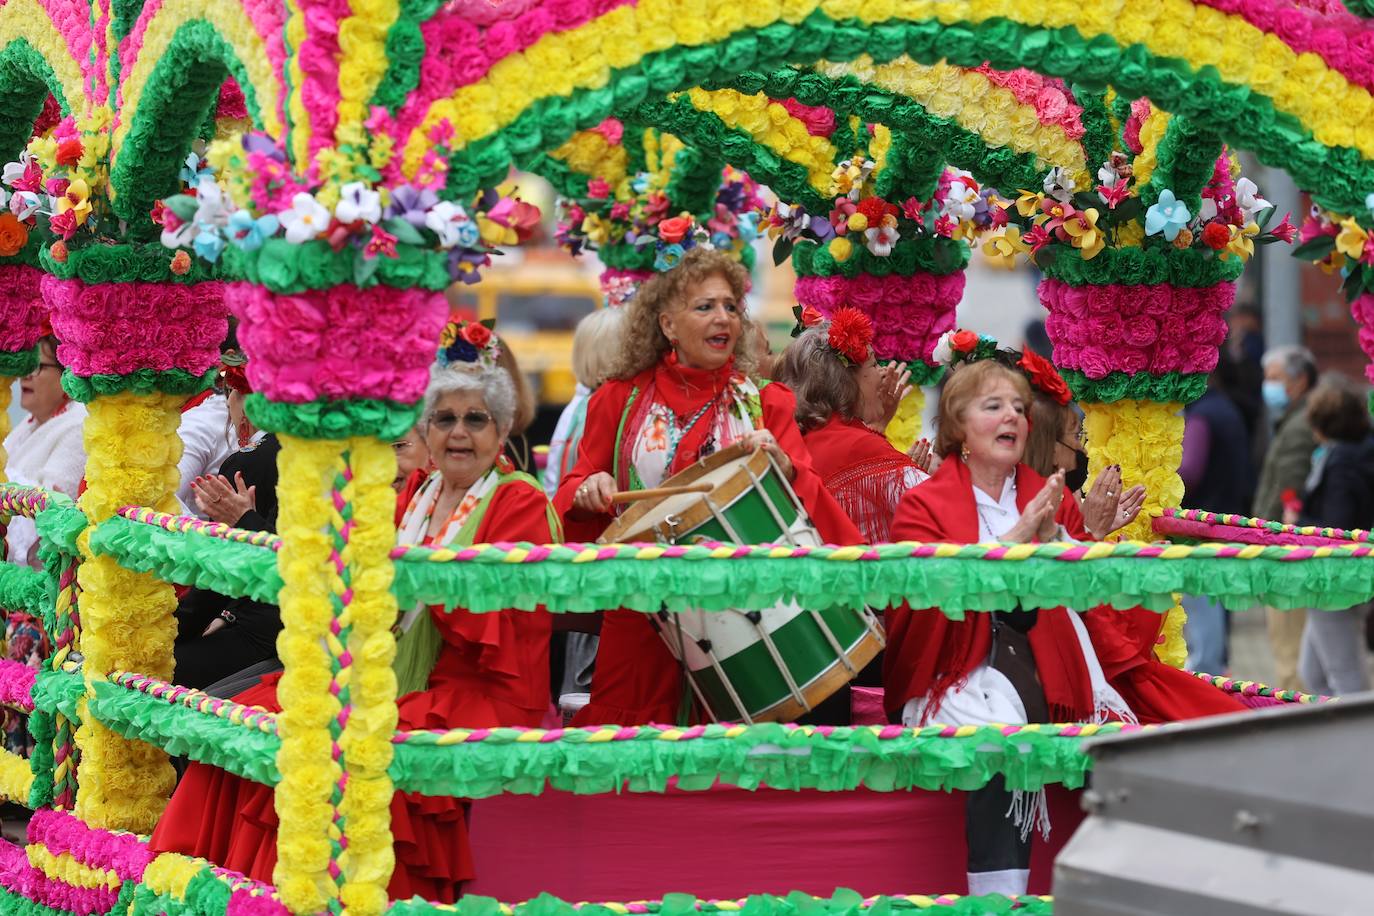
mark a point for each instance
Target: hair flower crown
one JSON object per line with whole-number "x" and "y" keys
{"x": 964, "y": 346}
{"x": 465, "y": 344}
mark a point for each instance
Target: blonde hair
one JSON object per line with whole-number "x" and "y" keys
{"x": 643, "y": 343}
{"x": 525, "y": 404}
{"x": 595, "y": 345}
{"x": 960, "y": 391}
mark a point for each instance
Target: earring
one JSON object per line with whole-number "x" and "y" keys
{"x": 963, "y": 451}
{"x": 245, "y": 433}
{"x": 503, "y": 463}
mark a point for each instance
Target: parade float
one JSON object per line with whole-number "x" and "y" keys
{"x": 324, "y": 170}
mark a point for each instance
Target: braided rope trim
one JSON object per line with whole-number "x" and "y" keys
{"x": 1256, "y": 689}
{"x": 996, "y": 903}
{"x": 811, "y": 734}
{"x": 340, "y": 528}
{"x": 16, "y": 499}
{"x": 66, "y": 639}
{"x": 254, "y": 717}
{"x": 189, "y": 524}
{"x": 1353, "y": 535}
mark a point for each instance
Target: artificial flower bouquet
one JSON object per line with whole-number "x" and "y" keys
{"x": 1341, "y": 244}
{"x": 647, "y": 226}
{"x": 907, "y": 236}
{"x": 1064, "y": 219}
{"x": 246, "y": 203}
{"x": 51, "y": 194}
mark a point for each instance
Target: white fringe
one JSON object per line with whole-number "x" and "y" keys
{"x": 1030, "y": 811}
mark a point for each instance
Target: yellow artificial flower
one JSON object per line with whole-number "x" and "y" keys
{"x": 1350, "y": 241}
{"x": 841, "y": 248}
{"x": 1084, "y": 234}
{"x": 597, "y": 230}
{"x": 1130, "y": 234}
{"x": 1028, "y": 202}
{"x": 1002, "y": 249}
{"x": 1242, "y": 243}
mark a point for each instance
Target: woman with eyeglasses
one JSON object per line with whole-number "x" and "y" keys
{"x": 45, "y": 448}
{"x": 681, "y": 388}
{"x": 453, "y": 668}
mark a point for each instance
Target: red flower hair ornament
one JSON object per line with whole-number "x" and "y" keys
{"x": 851, "y": 336}
{"x": 1045, "y": 377}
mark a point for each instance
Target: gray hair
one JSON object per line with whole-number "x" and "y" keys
{"x": 1296, "y": 362}
{"x": 492, "y": 383}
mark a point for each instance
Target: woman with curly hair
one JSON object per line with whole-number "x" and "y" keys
{"x": 680, "y": 389}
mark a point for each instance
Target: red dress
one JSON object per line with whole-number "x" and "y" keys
{"x": 493, "y": 669}
{"x": 865, "y": 474}
{"x": 927, "y": 653}
{"x": 637, "y": 680}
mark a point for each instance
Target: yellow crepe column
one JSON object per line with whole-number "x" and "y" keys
{"x": 134, "y": 352}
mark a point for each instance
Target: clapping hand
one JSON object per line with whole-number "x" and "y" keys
{"x": 1108, "y": 507}
{"x": 222, "y": 501}
{"x": 893, "y": 386}
{"x": 922, "y": 457}
{"x": 1037, "y": 519}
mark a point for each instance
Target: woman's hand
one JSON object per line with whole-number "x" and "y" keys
{"x": 1037, "y": 520}
{"x": 222, "y": 501}
{"x": 594, "y": 493}
{"x": 1108, "y": 507}
{"x": 921, "y": 456}
{"x": 762, "y": 438}
{"x": 893, "y": 385}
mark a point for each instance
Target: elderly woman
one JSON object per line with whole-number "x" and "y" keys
{"x": 453, "y": 669}
{"x": 1008, "y": 667}
{"x": 680, "y": 390}
{"x": 838, "y": 383}
{"x": 45, "y": 449}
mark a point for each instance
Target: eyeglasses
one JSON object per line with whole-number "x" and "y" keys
{"x": 474, "y": 421}
{"x": 40, "y": 367}
{"x": 1078, "y": 446}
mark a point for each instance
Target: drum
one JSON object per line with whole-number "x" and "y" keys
{"x": 753, "y": 666}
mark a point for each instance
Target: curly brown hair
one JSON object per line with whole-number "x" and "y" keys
{"x": 642, "y": 341}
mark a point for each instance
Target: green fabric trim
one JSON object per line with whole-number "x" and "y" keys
{"x": 1187, "y": 155}
{"x": 60, "y": 525}
{"x": 141, "y": 381}
{"x": 229, "y": 567}
{"x": 17, "y": 364}
{"x": 768, "y": 754}
{"x": 133, "y": 262}
{"x": 283, "y": 267}
{"x": 844, "y": 902}
{"x": 22, "y": 589}
{"x": 59, "y": 692}
{"x": 694, "y": 579}
{"x": 328, "y": 419}
{"x": 185, "y": 732}
{"x": 1172, "y": 387}
{"x": 1139, "y": 267}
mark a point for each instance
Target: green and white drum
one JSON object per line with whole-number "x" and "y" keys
{"x": 752, "y": 666}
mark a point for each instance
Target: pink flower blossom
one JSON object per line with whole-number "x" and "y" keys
{"x": 382, "y": 244}
{"x": 1285, "y": 231}
{"x": 1113, "y": 195}
{"x": 598, "y": 189}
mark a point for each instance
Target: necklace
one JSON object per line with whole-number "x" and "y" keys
{"x": 676, "y": 432}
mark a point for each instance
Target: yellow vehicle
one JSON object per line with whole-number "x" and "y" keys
{"x": 537, "y": 304}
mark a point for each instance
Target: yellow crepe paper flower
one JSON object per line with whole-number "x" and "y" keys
{"x": 1350, "y": 241}
{"x": 841, "y": 248}
{"x": 1242, "y": 243}
{"x": 1083, "y": 232}
{"x": 1003, "y": 248}
{"x": 1028, "y": 202}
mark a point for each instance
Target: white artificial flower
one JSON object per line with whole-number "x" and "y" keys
{"x": 358, "y": 202}
{"x": 15, "y": 170}
{"x": 1107, "y": 174}
{"x": 943, "y": 354}
{"x": 24, "y": 204}
{"x": 445, "y": 219}
{"x": 1208, "y": 211}
{"x": 306, "y": 219}
{"x": 1060, "y": 185}
{"x": 879, "y": 241}
{"x": 213, "y": 208}
{"x": 1248, "y": 199}
{"x": 959, "y": 202}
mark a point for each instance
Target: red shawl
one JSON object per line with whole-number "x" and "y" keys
{"x": 927, "y": 653}
{"x": 861, "y": 469}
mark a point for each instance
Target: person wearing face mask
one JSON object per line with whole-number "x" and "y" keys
{"x": 1290, "y": 373}
{"x": 453, "y": 668}
{"x": 45, "y": 448}
{"x": 844, "y": 401}
{"x": 1055, "y": 443}
{"x": 1021, "y": 666}
{"x": 680, "y": 389}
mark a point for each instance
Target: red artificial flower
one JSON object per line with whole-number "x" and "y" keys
{"x": 1216, "y": 236}
{"x": 1038, "y": 237}
{"x": 234, "y": 377}
{"x": 338, "y": 234}
{"x": 159, "y": 209}
{"x": 63, "y": 224}
{"x": 674, "y": 230}
{"x": 1113, "y": 195}
{"x": 1285, "y": 231}
{"x": 851, "y": 335}
{"x": 479, "y": 335}
{"x": 945, "y": 227}
{"x": 875, "y": 208}
{"x": 598, "y": 189}
{"x": 1044, "y": 376}
{"x": 963, "y": 341}
{"x": 69, "y": 152}
{"x": 59, "y": 251}
{"x": 382, "y": 244}
{"x": 911, "y": 208}
{"x": 810, "y": 317}
{"x": 57, "y": 187}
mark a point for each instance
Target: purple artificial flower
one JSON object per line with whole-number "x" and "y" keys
{"x": 411, "y": 204}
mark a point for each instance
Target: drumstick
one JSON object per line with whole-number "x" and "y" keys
{"x": 630, "y": 496}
